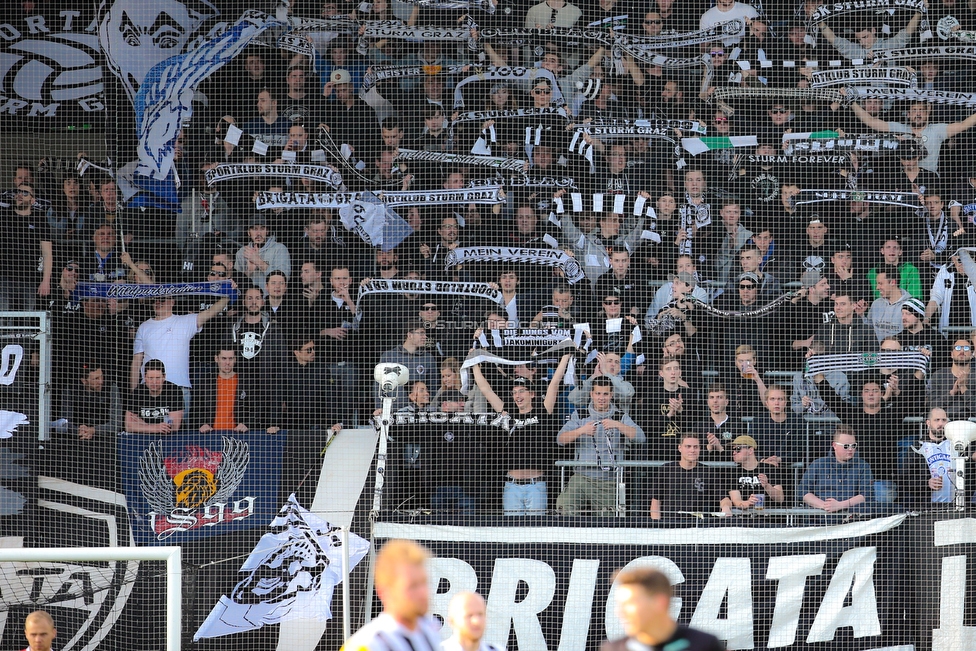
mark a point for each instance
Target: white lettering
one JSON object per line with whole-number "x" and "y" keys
{"x": 660, "y": 563}
{"x": 68, "y": 17}
{"x": 952, "y": 633}
{"x": 10, "y": 358}
{"x": 792, "y": 573}
{"x": 579, "y": 599}
{"x": 854, "y": 575}
{"x": 460, "y": 577}
{"x": 732, "y": 577}
{"x": 522, "y": 615}
{"x": 35, "y": 24}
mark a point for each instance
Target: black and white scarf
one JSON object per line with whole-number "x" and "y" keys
{"x": 548, "y": 257}
{"x": 377, "y": 74}
{"x": 505, "y": 73}
{"x": 476, "y": 290}
{"x": 732, "y": 314}
{"x": 485, "y": 195}
{"x": 903, "y": 199}
{"x": 947, "y": 97}
{"x": 318, "y": 173}
{"x": 850, "y": 76}
{"x": 717, "y": 32}
{"x": 445, "y": 158}
{"x": 868, "y": 361}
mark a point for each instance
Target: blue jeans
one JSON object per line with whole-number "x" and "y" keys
{"x": 885, "y": 491}
{"x": 453, "y": 498}
{"x": 525, "y": 499}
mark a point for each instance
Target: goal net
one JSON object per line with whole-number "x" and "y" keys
{"x": 553, "y": 288}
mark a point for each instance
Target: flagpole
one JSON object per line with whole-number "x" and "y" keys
{"x": 346, "y": 618}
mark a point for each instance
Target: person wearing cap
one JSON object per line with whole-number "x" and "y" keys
{"x": 750, "y": 262}
{"x": 525, "y": 440}
{"x": 687, "y": 485}
{"x": 839, "y": 481}
{"x": 347, "y": 117}
{"x": 907, "y": 273}
{"x": 916, "y": 335}
{"x": 813, "y": 251}
{"x": 728, "y": 334}
{"x": 600, "y": 436}
{"x": 845, "y": 277}
{"x": 754, "y": 484}
{"x": 263, "y": 254}
{"x": 885, "y": 313}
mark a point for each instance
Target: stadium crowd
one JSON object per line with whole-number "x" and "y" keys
{"x": 697, "y": 321}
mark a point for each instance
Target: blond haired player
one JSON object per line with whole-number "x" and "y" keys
{"x": 401, "y": 584}
{"x": 39, "y": 631}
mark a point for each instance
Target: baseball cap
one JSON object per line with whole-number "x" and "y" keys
{"x": 340, "y": 76}
{"x": 810, "y": 278}
{"x": 745, "y": 440}
{"x": 686, "y": 277}
{"x": 751, "y": 277}
{"x": 497, "y": 88}
{"x": 914, "y": 305}
{"x": 258, "y": 219}
{"x": 523, "y": 382}
{"x": 814, "y": 219}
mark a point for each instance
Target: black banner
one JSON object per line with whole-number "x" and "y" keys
{"x": 831, "y": 587}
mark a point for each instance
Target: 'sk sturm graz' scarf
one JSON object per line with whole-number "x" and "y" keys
{"x": 319, "y": 173}
{"x": 484, "y": 195}
{"x": 133, "y": 291}
{"x": 477, "y": 290}
{"x": 923, "y": 53}
{"x": 833, "y": 10}
{"x": 904, "y": 199}
{"x": 547, "y": 257}
{"x": 869, "y": 361}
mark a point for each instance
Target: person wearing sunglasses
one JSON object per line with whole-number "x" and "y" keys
{"x": 949, "y": 387}
{"x": 755, "y": 484}
{"x": 839, "y": 481}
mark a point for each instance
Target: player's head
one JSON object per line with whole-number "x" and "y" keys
{"x": 466, "y": 615}
{"x": 401, "y": 580}
{"x": 643, "y": 596}
{"x": 39, "y": 630}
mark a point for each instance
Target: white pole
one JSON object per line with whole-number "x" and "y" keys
{"x": 174, "y": 571}
{"x": 346, "y": 617}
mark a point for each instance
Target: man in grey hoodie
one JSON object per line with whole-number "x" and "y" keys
{"x": 885, "y": 312}
{"x": 600, "y": 435}
{"x": 262, "y": 255}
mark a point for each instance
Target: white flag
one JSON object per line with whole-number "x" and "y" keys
{"x": 290, "y": 574}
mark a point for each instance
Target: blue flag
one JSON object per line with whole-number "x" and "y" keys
{"x": 189, "y": 485}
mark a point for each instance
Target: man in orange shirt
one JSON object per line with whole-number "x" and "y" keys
{"x": 224, "y": 397}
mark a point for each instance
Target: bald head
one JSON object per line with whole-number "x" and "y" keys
{"x": 39, "y": 630}
{"x": 466, "y": 615}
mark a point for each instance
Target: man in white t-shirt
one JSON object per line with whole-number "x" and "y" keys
{"x": 401, "y": 584}
{"x": 166, "y": 337}
{"x": 723, "y": 12}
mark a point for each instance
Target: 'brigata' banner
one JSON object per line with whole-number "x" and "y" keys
{"x": 189, "y": 485}
{"x": 802, "y": 587}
